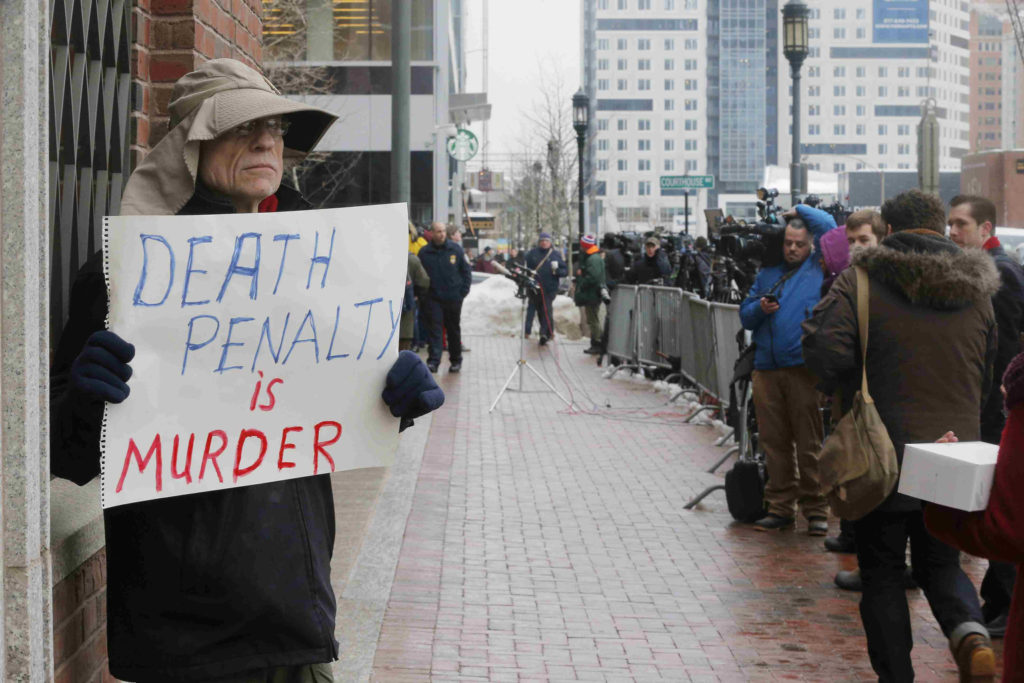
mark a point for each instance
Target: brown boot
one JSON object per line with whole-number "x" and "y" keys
{"x": 975, "y": 659}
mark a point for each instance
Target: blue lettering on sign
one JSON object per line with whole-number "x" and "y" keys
{"x": 192, "y": 242}
{"x": 900, "y": 21}
{"x": 369, "y": 313}
{"x": 325, "y": 261}
{"x": 313, "y": 338}
{"x": 137, "y": 299}
{"x": 284, "y": 251}
{"x": 252, "y": 271}
{"x": 265, "y": 334}
{"x": 193, "y": 346}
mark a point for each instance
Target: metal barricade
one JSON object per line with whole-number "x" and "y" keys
{"x": 684, "y": 332}
{"x": 725, "y": 319}
{"x": 650, "y": 341}
{"x": 705, "y": 371}
{"x": 622, "y": 323}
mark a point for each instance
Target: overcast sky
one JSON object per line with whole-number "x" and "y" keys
{"x": 526, "y": 36}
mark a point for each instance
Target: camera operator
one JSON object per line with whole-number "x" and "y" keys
{"x": 614, "y": 261}
{"x": 550, "y": 267}
{"x": 695, "y": 269}
{"x": 785, "y": 397}
{"x": 652, "y": 268}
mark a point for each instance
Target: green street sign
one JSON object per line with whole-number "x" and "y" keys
{"x": 687, "y": 182}
{"x": 463, "y": 145}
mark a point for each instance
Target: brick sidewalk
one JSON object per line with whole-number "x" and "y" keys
{"x": 543, "y": 545}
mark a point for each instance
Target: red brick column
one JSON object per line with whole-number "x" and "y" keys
{"x": 173, "y": 37}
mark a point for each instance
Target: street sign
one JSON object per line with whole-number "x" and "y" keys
{"x": 483, "y": 182}
{"x": 463, "y": 145}
{"x": 687, "y": 182}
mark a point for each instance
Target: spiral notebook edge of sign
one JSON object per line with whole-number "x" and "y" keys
{"x": 106, "y": 325}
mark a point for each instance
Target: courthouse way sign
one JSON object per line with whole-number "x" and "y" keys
{"x": 262, "y": 346}
{"x": 682, "y": 184}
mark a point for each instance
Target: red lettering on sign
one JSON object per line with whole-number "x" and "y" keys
{"x": 154, "y": 449}
{"x": 256, "y": 393}
{"x": 281, "y": 462}
{"x": 270, "y": 393}
{"x": 211, "y": 456}
{"x": 246, "y": 434}
{"x": 186, "y": 474}
{"x": 318, "y": 445}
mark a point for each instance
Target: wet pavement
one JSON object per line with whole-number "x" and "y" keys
{"x": 544, "y": 544}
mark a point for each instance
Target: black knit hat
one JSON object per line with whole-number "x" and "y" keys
{"x": 1013, "y": 381}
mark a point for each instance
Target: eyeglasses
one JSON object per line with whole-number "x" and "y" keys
{"x": 275, "y": 125}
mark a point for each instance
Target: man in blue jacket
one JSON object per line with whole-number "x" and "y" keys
{"x": 785, "y": 397}
{"x": 450, "y": 279}
{"x": 550, "y": 267}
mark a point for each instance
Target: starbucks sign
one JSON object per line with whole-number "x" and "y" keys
{"x": 463, "y": 145}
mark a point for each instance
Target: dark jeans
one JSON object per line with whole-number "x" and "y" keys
{"x": 545, "y": 314}
{"x": 881, "y": 553}
{"x": 439, "y": 316}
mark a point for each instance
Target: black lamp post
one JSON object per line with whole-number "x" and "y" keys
{"x": 580, "y": 121}
{"x": 795, "y": 47}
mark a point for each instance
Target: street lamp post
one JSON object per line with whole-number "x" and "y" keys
{"x": 580, "y": 121}
{"x": 794, "y": 46}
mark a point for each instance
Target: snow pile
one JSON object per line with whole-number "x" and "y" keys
{"x": 669, "y": 389}
{"x": 493, "y": 309}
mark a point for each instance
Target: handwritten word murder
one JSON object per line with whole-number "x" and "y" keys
{"x": 218, "y": 455}
{"x": 261, "y": 267}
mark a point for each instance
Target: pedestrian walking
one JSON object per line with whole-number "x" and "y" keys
{"x": 931, "y": 344}
{"x": 785, "y": 398}
{"x": 450, "y": 280}
{"x": 590, "y": 283}
{"x": 550, "y": 268}
{"x": 229, "y": 585}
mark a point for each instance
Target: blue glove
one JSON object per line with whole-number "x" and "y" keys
{"x": 410, "y": 390}
{"x": 101, "y": 370}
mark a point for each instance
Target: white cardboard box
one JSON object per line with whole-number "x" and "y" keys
{"x": 957, "y": 475}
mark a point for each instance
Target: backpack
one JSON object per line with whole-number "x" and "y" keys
{"x": 744, "y": 490}
{"x": 858, "y": 466}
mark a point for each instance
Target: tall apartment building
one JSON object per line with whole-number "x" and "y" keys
{"x": 679, "y": 87}
{"x": 866, "y": 78}
{"x": 988, "y": 30}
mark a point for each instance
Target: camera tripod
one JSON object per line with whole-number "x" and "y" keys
{"x": 522, "y": 362}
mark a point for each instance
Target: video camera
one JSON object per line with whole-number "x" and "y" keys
{"x": 525, "y": 279}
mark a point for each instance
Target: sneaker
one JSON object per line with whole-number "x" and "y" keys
{"x": 975, "y": 659}
{"x": 817, "y": 526}
{"x": 432, "y": 367}
{"x": 455, "y": 367}
{"x": 773, "y": 523}
{"x": 840, "y": 544}
{"x": 997, "y": 627}
{"x": 593, "y": 351}
{"x": 543, "y": 340}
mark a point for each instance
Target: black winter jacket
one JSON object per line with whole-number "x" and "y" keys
{"x": 649, "y": 271}
{"x": 205, "y": 585}
{"x": 1008, "y": 304}
{"x": 450, "y": 274}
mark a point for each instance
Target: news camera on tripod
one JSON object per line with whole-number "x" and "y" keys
{"x": 785, "y": 399}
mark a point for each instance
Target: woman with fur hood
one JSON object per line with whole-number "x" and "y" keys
{"x": 930, "y": 352}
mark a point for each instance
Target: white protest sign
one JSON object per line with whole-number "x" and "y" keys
{"x": 262, "y": 346}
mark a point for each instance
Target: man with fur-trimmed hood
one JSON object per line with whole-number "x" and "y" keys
{"x": 931, "y": 346}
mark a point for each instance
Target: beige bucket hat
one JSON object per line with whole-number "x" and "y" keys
{"x": 205, "y": 103}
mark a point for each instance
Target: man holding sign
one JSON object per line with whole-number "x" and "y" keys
{"x": 241, "y": 354}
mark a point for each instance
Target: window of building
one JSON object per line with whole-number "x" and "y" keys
{"x": 690, "y": 145}
{"x": 862, "y": 110}
{"x": 813, "y": 71}
{"x": 602, "y": 4}
{"x": 643, "y": 165}
{"x": 839, "y": 110}
{"x": 670, "y": 65}
{"x": 812, "y": 110}
{"x": 670, "y": 105}
{"x": 643, "y": 4}
{"x": 903, "y": 129}
{"x": 690, "y": 65}
{"x": 813, "y": 129}
{"x": 861, "y": 91}
{"x": 839, "y": 72}
{"x": 602, "y": 145}
{"x": 903, "y": 91}
{"x": 622, "y": 164}
{"x": 622, "y": 84}
{"x": 643, "y": 145}
{"x": 670, "y": 44}
{"x": 643, "y": 44}
{"x": 861, "y": 33}
{"x": 903, "y": 148}
{"x": 602, "y": 124}
{"x": 690, "y": 44}
{"x": 602, "y": 65}
{"x": 602, "y": 84}
{"x": 839, "y": 90}
{"x": 883, "y": 72}
{"x": 622, "y": 124}
{"x": 883, "y": 148}
{"x": 690, "y": 105}
{"x": 691, "y": 165}
{"x": 670, "y": 124}
{"x": 643, "y": 188}
{"x": 602, "y": 164}
{"x": 670, "y": 164}
{"x": 861, "y": 129}
{"x": 643, "y": 124}
{"x": 623, "y": 64}
{"x": 670, "y": 145}
{"x": 838, "y": 168}
{"x": 839, "y": 13}
{"x": 670, "y": 84}
{"x": 690, "y": 84}
{"x": 622, "y": 44}
{"x": 883, "y": 129}
{"x": 623, "y": 4}
{"x": 903, "y": 72}
{"x": 860, "y": 13}
{"x": 622, "y": 188}
{"x": 814, "y": 91}
{"x": 670, "y": 5}
{"x": 644, "y": 84}
{"x": 622, "y": 145}
{"x": 603, "y": 43}
{"x": 690, "y": 124}
{"x": 643, "y": 65}
{"x": 883, "y": 91}
{"x": 838, "y": 129}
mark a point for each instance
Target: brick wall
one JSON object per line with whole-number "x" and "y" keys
{"x": 80, "y": 624}
{"x": 173, "y": 37}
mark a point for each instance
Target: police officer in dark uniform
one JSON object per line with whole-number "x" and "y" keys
{"x": 450, "y": 279}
